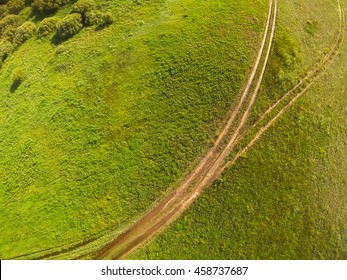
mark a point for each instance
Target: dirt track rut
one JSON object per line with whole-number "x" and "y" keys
{"x": 213, "y": 164}
{"x": 164, "y": 212}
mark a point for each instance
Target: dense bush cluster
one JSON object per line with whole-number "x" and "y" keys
{"x": 8, "y": 27}
{"x": 90, "y": 15}
{"x": 13, "y": 32}
{"x": 5, "y": 49}
{"x": 15, "y": 6}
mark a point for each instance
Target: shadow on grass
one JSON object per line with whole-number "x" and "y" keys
{"x": 102, "y": 26}
{"x": 37, "y": 17}
{"x": 14, "y": 86}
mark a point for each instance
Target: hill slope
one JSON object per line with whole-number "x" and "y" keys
{"x": 103, "y": 124}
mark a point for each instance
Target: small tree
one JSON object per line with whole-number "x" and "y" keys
{"x": 17, "y": 76}
{"x": 24, "y": 32}
{"x": 47, "y": 26}
{"x": 69, "y": 26}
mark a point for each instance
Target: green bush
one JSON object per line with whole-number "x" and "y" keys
{"x": 5, "y": 49}
{"x": 8, "y": 26}
{"x": 47, "y": 5}
{"x": 69, "y": 26}
{"x": 10, "y": 20}
{"x": 83, "y": 6}
{"x": 107, "y": 18}
{"x": 24, "y": 32}
{"x": 3, "y": 11}
{"x": 17, "y": 76}
{"x": 15, "y": 6}
{"x": 47, "y": 26}
{"x": 93, "y": 18}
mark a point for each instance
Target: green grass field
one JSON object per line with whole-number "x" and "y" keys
{"x": 103, "y": 124}
{"x": 286, "y": 197}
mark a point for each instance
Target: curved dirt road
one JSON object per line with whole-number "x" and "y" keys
{"x": 208, "y": 169}
{"x": 178, "y": 200}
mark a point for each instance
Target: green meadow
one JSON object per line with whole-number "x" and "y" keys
{"x": 97, "y": 125}
{"x": 286, "y": 197}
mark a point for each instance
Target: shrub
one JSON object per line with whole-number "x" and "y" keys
{"x": 24, "y": 32}
{"x": 3, "y": 11}
{"x": 17, "y": 76}
{"x": 83, "y": 6}
{"x": 15, "y": 6}
{"x": 47, "y": 5}
{"x": 107, "y": 18}
{"x": 93, "y": 18}
{"x": 8, "y": 26}
{"x": 10, "y": 20}
{"x": 69, "y": 26}
{"x": 47, "y": 26}
{"x": 5, "y": 49}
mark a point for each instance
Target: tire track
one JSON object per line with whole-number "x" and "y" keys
{"x": 161, "y": 215}
{"x": 313, "y": 75}
{"x": 305, "y": 83}
{"x": 210, "y": 158}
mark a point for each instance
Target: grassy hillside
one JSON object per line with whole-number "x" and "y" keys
{"x": 99, "y": 126}
{"x": 286, "y": 197}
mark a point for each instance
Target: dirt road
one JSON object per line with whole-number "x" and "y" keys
{"x": 214, "y": 162}
{"x": 178, "y": 200}
{"x": 306, "y": 82}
